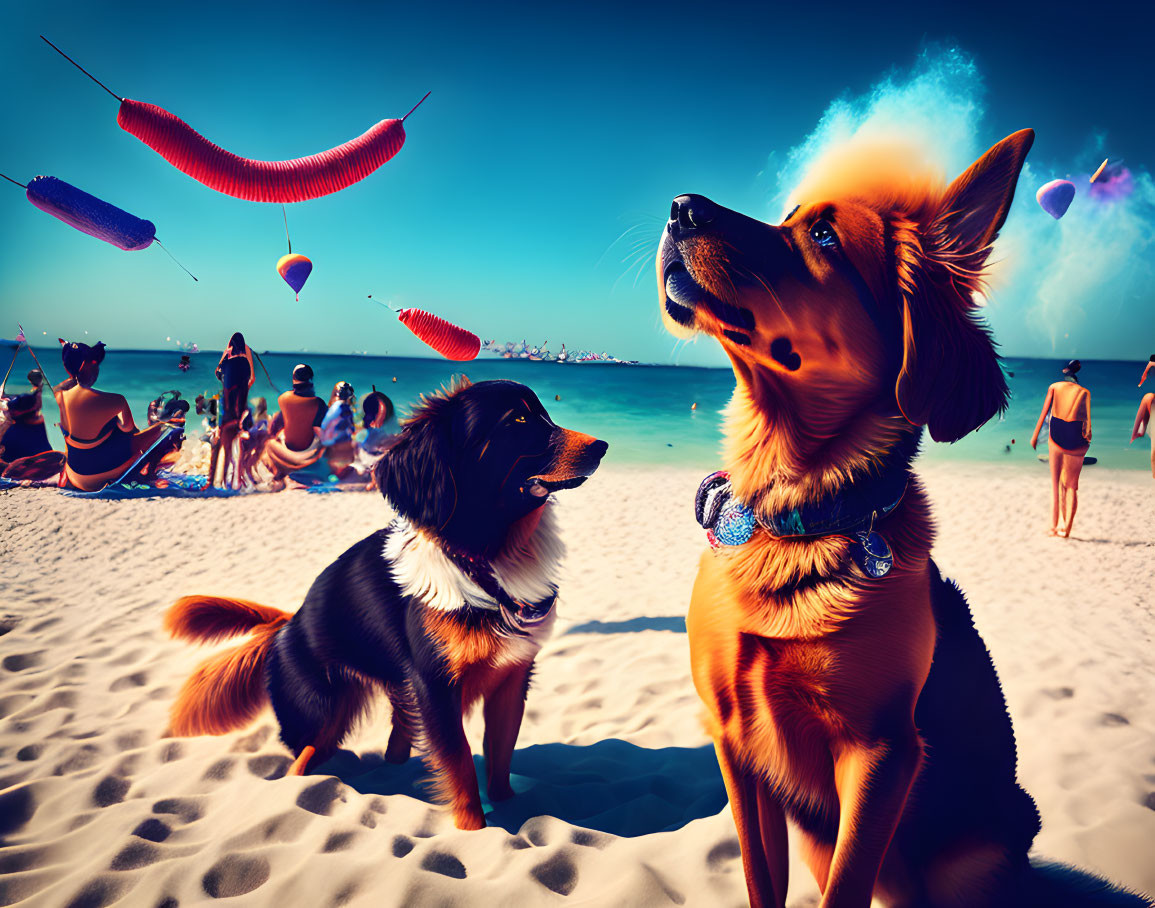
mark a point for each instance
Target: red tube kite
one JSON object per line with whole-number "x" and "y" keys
{"x": 256, "y": 181}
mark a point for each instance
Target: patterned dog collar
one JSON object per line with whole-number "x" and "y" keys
{"x": 728, "y": 521}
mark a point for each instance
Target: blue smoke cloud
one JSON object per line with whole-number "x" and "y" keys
{"x": 1081, "y": 286}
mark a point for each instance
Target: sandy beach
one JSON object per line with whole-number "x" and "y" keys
{"x": 620, "y": 801}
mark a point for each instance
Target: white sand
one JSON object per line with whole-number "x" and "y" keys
{"x": 95, "y": 807}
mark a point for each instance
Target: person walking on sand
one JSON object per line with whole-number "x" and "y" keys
{"x": 1069, "y": 406}
{"x": 1143, "y": 423}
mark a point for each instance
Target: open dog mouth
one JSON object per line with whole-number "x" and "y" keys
{"x": 539, "y": 486}
{"x": 684, "y": 295}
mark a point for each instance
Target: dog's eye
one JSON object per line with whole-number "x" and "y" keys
{"x": 519, "y": 419}
{"x": 823, "y": 234}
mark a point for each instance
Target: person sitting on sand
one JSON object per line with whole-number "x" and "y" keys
{"x": 374, "y": 438}
{"x": 26, "y": 435}
{"x": 1143, "y": 423}
{"x": 259, "y": 408}
{"x": 337, "y": 429}
{"x": 235, "y": 371}
{"x": 294, "y": 441}
{"x": 1070, "y": 436}
{"x": 1147, "y": 371}
{"x": 100, "y": 437}
{"x": 25, "y": 453}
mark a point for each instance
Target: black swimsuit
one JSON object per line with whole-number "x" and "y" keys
{"x": 235, "y": 375}
{"x": 1068, "y": 434}
{"x": 111, "y": 448}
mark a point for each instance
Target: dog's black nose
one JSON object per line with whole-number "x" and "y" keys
{"x": 691, "y": 212}
{"x": 598, "y": 449}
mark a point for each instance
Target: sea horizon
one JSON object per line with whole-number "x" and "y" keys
{"x": 651, "y": 414}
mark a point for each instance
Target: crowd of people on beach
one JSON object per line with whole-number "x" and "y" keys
{"x": 307, "y": 442}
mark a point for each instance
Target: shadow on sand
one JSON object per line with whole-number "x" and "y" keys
{"x": 675, "y": 623}
{"x": 612, "y": 786}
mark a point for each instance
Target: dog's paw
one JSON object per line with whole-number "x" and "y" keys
{"x": 468, "y": 819}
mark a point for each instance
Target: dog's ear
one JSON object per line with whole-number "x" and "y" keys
{"x": 951, "y": 380}
{"x": 976, "y": 204}
{"x": 416, "y": 476}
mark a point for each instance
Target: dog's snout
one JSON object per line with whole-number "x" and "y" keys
{"x": 691, "y": 212}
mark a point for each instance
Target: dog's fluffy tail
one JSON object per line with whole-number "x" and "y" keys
{"x": 227, "y": 690}
{"x": 1050, "y": 883}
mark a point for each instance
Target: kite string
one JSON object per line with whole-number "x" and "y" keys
{"x": 173, "y": 257}
{"x": 289, "y": 241}
{"x": 266, "y": 371}
{"x": 14, "y": 182}
{"x": 34, "y": 357}
{"x": 15, "y": 353}
{"x": 81, "y": 68}
{"x": 418, "y": 104}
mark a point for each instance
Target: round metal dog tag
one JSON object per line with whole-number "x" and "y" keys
{"x": 872, "y": 553}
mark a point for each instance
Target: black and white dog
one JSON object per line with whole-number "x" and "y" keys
{"x": 447, "y": 606}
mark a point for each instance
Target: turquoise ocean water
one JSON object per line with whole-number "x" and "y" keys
{"x": 644, "y": 412}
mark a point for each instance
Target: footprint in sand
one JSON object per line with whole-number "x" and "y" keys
{"x": 269, "y": 766}
{"x": 445, "y": 864}
{"x": 187, "y": 810}
{"x": 8, "y": 623}
{"x": 135, "y": 855}
{"x": 30, "y": 752}
{"x": 219, "y": 771}
{"x": 17, "y": 662}
{"x": 722, "y": 853}
{"x": 110, "y": 790}
{"x": 127, "y": 682}
{"x": 173, "y": 750}
{"x": 43, "y": 625}
{"x": 1112, "y": 720}
{"x": 338, "y": 841}
{"x": 16, "y": 808}
{"x": 234, "y": 875}
{"x": 251, "y": 743}
{"x": 153, "y": 830}
{"x": 402, "y": 845}
{"x": 320, "y": 797}
{"x": 103, "y": 890}
{"x": 558, "y": 874}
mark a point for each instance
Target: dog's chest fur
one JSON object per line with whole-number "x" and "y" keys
{"x": 795, "y": 651}
{"x": 458, "y": 612}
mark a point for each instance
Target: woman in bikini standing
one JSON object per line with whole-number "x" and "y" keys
{"x": 235, "y": 371}
{"x": 1069, "y": 405}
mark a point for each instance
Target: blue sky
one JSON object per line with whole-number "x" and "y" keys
{"x": 535, "y": 179}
